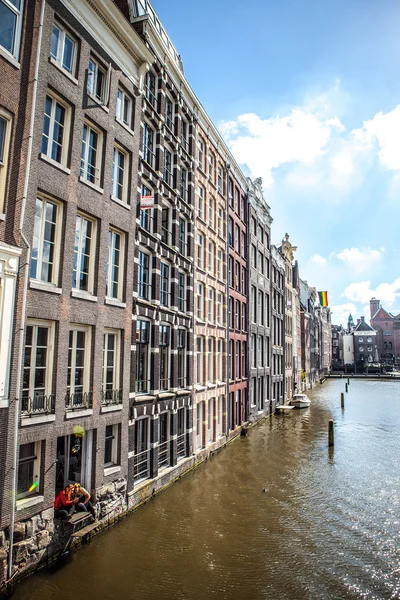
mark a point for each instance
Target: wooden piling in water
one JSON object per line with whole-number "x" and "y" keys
{"x": 348, "y": 381}
{"x": 342, "y": 399}
{"x": 346, "y": 387}
{"x": 330, "y": 434}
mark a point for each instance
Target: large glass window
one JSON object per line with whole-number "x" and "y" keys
{"x": 46, "y": 241}
{"x": 148, "y": 145}
{"x": 97, "y": 82}
{"x": 169, "y": 113}
{"x": 112, "y": 453}
{"x": 142, "y": 356}
{"x": 164, "y": 284}
{"x": 63, "y": 48}
{"x": 181, "y": 348}
{"x": 124, "y": 112}
{"x": 78, "y": 374}
{"x": 120, "y": 178}
{"x": 28, "y": 469}
{"x": 164, "y": 343}
{"x": 10, "y": 25}
{"x": 115, "y": 265}
{"x": 111, "y": 391}
{"x": 142, "y": 449}
{"x": 55, "y": 130}
{"x": 150, "y": 88}
{"x": 168, "y": 167}
{"x": 181, "y": 292}
{"x": 91, "y": 154}
{"x": 38, "y": 368}
{"x": 144, "y": 276}
{"x": 84, "y": 250}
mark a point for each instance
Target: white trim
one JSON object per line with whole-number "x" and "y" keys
{"x": 83, "y": 295}
{"x": 10, "y": 58}
{"x": 73, "y": 414}
{"x": 111, "y": 408}
{"x": 27, "y": 420}
{"x": 114, "y": 302}
{"x": 95, "y": 187}
{"x": 9, "y": 263}
{"x": 111, "y": 470}
{"x": 27, "y": 502}
{"x": 8, "y": 119}
{"x": 92, "y": 256}
{"x": 63, "y": 71}
{"x": 43, "y": 286}
{"x": 54, "y": 163}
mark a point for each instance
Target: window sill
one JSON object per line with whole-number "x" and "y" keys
{"x": 11, "y": 59}
{"x": 26, "y": 420}
{"x": 111, "y": 470}
{"x": 73, "y": 414}
{"x": 114, "y": 302}
{"x": 95, "y": 187}
{"x": 63, "y": 71}
{"x": 44, "y": 287}
{"x": 83, "y": 295}
{"x": 120, "y": 202}
{"x": 110, "y": 408}
{"x": 27, "y": 502}
{"x": 2, "y": 217}
{"x": 55, "y": 164}
{"x": 125, "y": 126}
{"x": 98, "y": 102}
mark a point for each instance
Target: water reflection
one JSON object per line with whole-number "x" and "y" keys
{"x": 326, "y": 526}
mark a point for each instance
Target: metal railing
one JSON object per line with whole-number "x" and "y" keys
{"x": 141, "y": 465}
{"x": 38, "y": 404}
{"x": 164, "y": 383}
{"x": 109, "y": 397}
{"x": 182, "y": 381}
{"x": 163, "y": 455}
{"x": 181, "y": 446}
{"x": 76, "y": 400}
{"x": 142, "y": 385}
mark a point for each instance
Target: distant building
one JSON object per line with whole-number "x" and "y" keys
{"x": 364, "y": 343}
{"x": 387, "y": 328}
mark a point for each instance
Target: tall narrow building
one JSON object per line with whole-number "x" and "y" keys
{"x": 278, "y": 326}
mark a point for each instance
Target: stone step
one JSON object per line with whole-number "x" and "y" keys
{"x": 82, "y": 532}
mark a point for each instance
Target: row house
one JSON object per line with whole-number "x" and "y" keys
{"x": 305, "y": 324}
{"x": 287, "y": 251}
{"x": 297, "y": 356}
{"x": 259, "y": 302}
{"x": 278, "y": 265}
{"x": 387, "y": 328}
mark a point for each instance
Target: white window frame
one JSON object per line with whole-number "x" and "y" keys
{"x": 200, "y": 360}
{"x": 211, "y": 258}
{"x": 148, "y": 149}
{"x": 55, "y": 99}
{"x": 167, "y": 378}
{"x": 92, "y": 252}
{"x": 169, "y": 118}
{"x": 210, "y": 359}
{"x": 211, "y": 212}
{"x": 50, "y": 326}
{"x": 87, "y": 330}
{"x": 116, "y": 382}
{"x": 220, "y": 318}
{"x": 58, "y": 59}
{"x": 124, "y": 108}
{"x": 141, "y": 283}
{"x": 92, "y": 83}
{"x": 201, "y": 153}
{"x": 57, "y": 240}
{"x": 139, "y": 344}
{"x": 17, "y": 32}
{"x": 118, "y": 150}
{"x": 5, "y": 143}
{"x": 200, "y": 202}
{"x": 115, "y": 446}
{"x": 110, "y": 264}
{"x": 36, "y": 471}
{"x": 211, "y": 166}
{"x": 200, "y": 251}
{"x": 200, "y": 301}
{"x": 211, "y": 305}
{"x": 84, "y": 164}
{"x": 165, "y": 274}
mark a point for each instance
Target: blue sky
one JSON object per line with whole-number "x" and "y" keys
{"x": 307, "y": 95}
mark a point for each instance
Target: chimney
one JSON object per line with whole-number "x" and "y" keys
{"x": 362, "y": 319}
{"x": 374, "y": 306}
{"x": 358, "y": 321}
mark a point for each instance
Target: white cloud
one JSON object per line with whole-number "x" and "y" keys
{"x": 385, "y": 130}
{"x": 360, "y": 260}
{"x": 387, "y": 293}
{"x": 341, "y": 312}
{"x": 318, "y": 259}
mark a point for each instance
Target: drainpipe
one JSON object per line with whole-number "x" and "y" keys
{"x": 24, "y": 293}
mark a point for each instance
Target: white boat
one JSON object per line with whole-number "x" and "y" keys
{"x": 283, "y": 408}
{"x": 300, "y": 401}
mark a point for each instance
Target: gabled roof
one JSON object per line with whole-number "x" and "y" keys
{"x": 363, "y": 326}
{"x": 381, "y": 313}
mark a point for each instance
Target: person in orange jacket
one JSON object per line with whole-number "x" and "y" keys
{"x": 64, "y": 503}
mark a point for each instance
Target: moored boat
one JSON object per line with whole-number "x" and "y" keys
{"x": 300, "y": 401}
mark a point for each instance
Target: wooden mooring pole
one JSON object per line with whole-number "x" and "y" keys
{"x": 342, "y": 399}
{"x": 348, "y": 381}
{"x": 346, "y": 387}
{"x": 330, "y": 434}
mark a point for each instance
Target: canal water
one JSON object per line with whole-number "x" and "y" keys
{"x": 274, "y": 516}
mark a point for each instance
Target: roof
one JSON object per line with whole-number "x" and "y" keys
{"x": 363, "y": 326}
{"x": 381, "y": 313}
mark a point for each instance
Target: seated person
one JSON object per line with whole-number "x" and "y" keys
{"x": 64, "y": 503}
{"x": 83, "y": 497}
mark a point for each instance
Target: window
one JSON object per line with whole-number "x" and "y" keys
{"x": 78, "y": 374}
{"x": 120, "y": 172}
{"x": 211, "y": 212}
{"x": 260, "y": 307}
{"x": 183, "y": 236}
{"x": 261, "y": 262}
{"x": 260, "y": 351}
{"x": 167, "y": 175}
{"x": 38, "y": 367}
{"x": 55, "y": 132}
{"x": 200, "y": 301}
{"x": 211, "y": 166}
{"x": 181, "y": 349}
{"x": 10, "y": 25}
{"x": 220, "y": 264}
{"x": 150, "y": 89}
{"x": 369, "y": 339}
{"x": 115, "y": 265}
{"x": 146, "y": 217}
{"x": 28, "y": 469}
{"x": 46, "y": 241}
{"x": 181, "y": 440}
{"x": 230, "y": 232}
{"x": 165, "y": 228}
{"x": 200, "y": 153}
{"x": 98, "y": 82}
{"x": 210, "y": 360}
{"x": 141, "y": 459}
{"x": 142, "y": 356}
{"x": 5, "y": 135}
{"x": 184, "y": 185}
{"x": 164, "y": 343}
{"x": 244, "y": 321}
{"x": 237, "y": 238}
{"x": 211, "y": 305}
{"x": 230, "y": 192}
{"x": 200, "y": 251}
{"x": 220, "y": 306}
{"x": 220, "y": 225}
{"x": 84, "y": 251}
{"x": 169, "y": 113}
{"x": 164, "y": 429}
{"x": 253, "y": 257}
{"x": 230, "y": 360}
{"x": 253, "y": 226}
{"x": 112, "y": 445}
{"x": 63, "y": 48}
{"x": 185, "y": 135}
{"x": 244, "y": 281}
{"x": 144, "y": 276}
{"x": 254, "y": 304}
{"x": 111, "y": 392}
{"x": 221, "y": 180}
{"x": 181, "y": 292}
{"x": 238, "y": 360}
{"x": 220, "y": 354}
{"x": 124, "y": 112}
{"x": 237, "y": 314}
{"x": 199, "y": 359}
{"x": 243, "y": 245}
{"x": 253, "y": 350}
{"x": 164, "y": 284}
{"x": 211, "y": 258}
{"x": 200, "y": 201}
{"x": 230, "y": 271}
{"x": 148, "y": 145}
{"x": 361, "y": 348}
{"x": 92, "y": 142}
{"x": 237, "y": 276}
{"x": 230, "y": 313}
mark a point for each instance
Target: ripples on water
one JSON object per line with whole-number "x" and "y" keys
{"x": 327, "y": 526}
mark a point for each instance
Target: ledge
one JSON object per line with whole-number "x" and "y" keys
{"x": 83, "y": 295}
{"x": 55, "y": 164}
{"x": 98, "y": 102}
{"x": 26, "y": 421}
{"x": 115, "y": 302}
{"x": 126, "y": 127}
{"x": 73, "y": 414}
{"x": 111, "y": 408}
{"x": 63, "y": 71}
{"x": 11, "y": 59}
{"x": 111, "y": 470}
{"x": 44, "y": 287}
{"x": 93, "y": 186}
{"x": 120, "y": 202}
{"x": 27, "y": 502}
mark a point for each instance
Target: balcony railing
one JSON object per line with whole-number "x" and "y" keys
{"x": 78, "y": 400}
{"x": 141, "y": 465}
{"x": 163, "y": 455}
{"x": 182, "y": 381}
{"x": 181, "y": 446}
{"x": 142, "y": 386}
{"x": 38, "y": 404}
{"x": 111, "y": 397}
